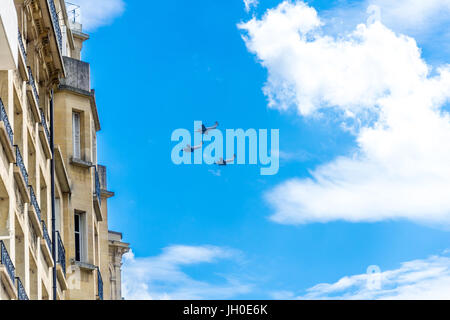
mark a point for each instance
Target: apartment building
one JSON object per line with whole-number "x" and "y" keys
{"x": 54, "y": 237}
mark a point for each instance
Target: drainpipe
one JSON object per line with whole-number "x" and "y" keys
{"x": 52, "y": 173}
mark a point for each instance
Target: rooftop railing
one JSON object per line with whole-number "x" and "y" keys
{"x": 4, "y": 118}
{"x": 6, "y": 261}
{"x": 46, "y": 235}
{"x": 61, "y": 253}
{"x": 34, "y": 202}
{"x": 21, "y": 293}
{"x": 21, "y": 165}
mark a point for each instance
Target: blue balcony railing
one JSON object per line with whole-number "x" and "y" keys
{"x": 32, "y": 83}
{"x": 46, "y": 235}
{"x": 21, "y": 293}
{"x": 21, "y": 165}
{"x": 61, "y": 253}
{"x": 35, "y": 203}
{"x": 97, "y": 186}
{"x": 4, "y": 118}
{"x": 55, "y": 21}
{"x": 44, "y": 125}
{"x": 6, "y": 261}
{"x": 22, "y": 46}
{"x": 99, "y": 284}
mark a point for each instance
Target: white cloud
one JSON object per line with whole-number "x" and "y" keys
{"x": 376, "y": 78}
{"x": 161, "y": 277}
{"x": 98, "y": 13}
{"x": 249, "y": 4}
{"x": 418, "y": 279}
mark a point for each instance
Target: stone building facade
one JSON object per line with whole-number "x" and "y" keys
{"x": 54, "y": 237}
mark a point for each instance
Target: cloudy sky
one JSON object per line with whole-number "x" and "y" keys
{"x": 359, "y": 91}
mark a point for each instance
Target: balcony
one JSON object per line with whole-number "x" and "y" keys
{"x": 21, "y": 176}
{"x": 55, "y": 22}
{"x": 34, "y": 213}
{"x": 8, "y": 38}
{"x": 44, "y": 135}
{"x": 6, "y": 134}
{"x": 46, "y": 244}
{"x": 33, "y": 94}
{"x": 7, "y": 271}
{"x": 21, "y": 293}
{"x": 22, "y": 57}
{"x": 99, "y": 285}
{"x": 97, "y": 196}
{"x": 61, "y": 262}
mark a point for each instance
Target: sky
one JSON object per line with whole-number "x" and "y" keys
{"x": 359, "y": 91}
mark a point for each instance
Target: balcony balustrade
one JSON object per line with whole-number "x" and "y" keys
{"x": 21, "y": 293}
{"x": 55, "y": 21}
{"x": 4, "y": 118}
{"x": 21, "y": 164}
{"x": 6, "y": 261}
{"x": 61, "y": 258}
{"x": 99, "y": 284}
{"x": 46, "y": 235}
{"x": 35, "y": 203}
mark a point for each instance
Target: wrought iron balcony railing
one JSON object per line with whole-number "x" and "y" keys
{"x": 61, "y": 253}
{"x": 44, "y": 125}
{"x": 6, "y": 261}
{"x": 97, "y": 186}
{"x": 99, "y": 284}
{"x": 35, "y": 203}
{"x": 46, "y": 235}
{"x": 21, "y": 293}
{"x": 55, "y": 21}
{"x": 22, "y": 46}
{"x": 4, "y": 118}
{"x": 21, "y": 165}
{"x": 32, "y": 83}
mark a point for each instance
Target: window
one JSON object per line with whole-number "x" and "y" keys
{"x": 76, "y": 135}
{"x": 79, "y": 235}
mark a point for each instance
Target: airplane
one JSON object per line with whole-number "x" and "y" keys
{"x": 222, "y": 162}
{"x": 205, "y": 130}
{"x": 188, "y": 148}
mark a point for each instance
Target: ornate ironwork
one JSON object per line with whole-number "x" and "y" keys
{"x": 21, "y": 293}
{"x": 46, "y": 235}
{"x": 97, "y": 186}
{"x": 55, "y": 21}
{"x": 99, "y": 284}
{"x": 32, "y": 83}
{"x": 4, "y": 118}
{"x": 22, "y": 46}
{"x": 61, "y": 253}
{"x": 44, "y": 125}
{"x": 21, "y": 165}
{"x": 6, "y": 261}
{"x": 35, "y": 203}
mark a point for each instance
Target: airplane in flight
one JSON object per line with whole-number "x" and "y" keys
{"x": 205, "y": 130}
{"x": 222, "y": 162}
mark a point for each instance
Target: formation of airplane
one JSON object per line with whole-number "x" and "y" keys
{"x": 204, "y": 130}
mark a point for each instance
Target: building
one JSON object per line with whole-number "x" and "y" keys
{"x": 54, "y": 237}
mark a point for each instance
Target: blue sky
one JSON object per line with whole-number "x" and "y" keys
{"x": 159, "y": 66}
